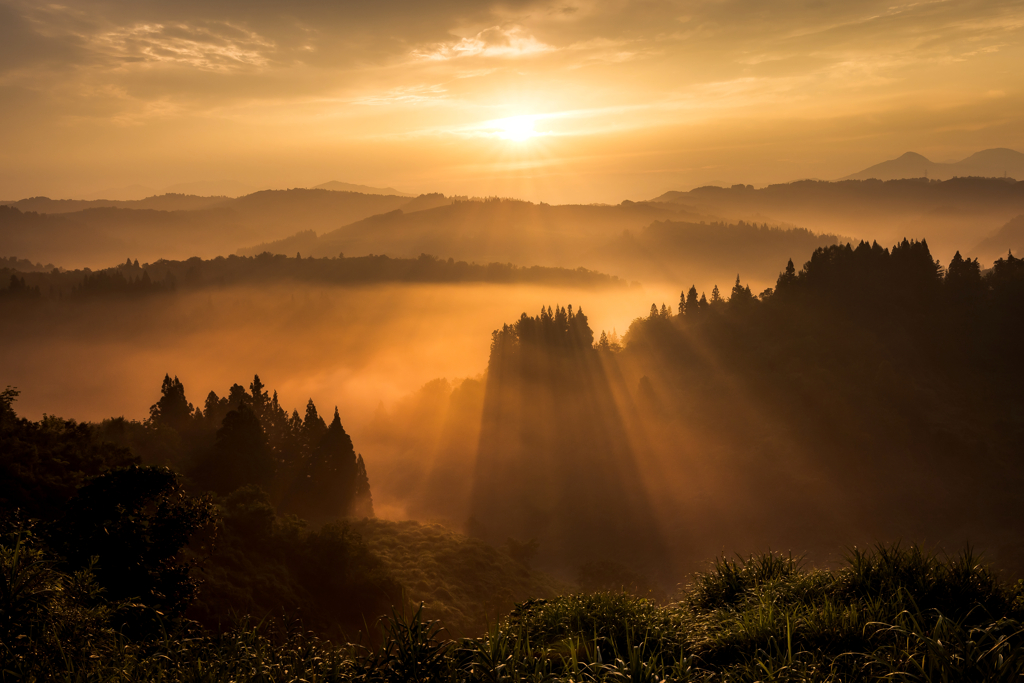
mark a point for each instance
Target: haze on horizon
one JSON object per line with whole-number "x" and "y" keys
{"x": 550, "y": 101}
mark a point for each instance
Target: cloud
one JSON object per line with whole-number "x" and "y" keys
{"x": 213, "y": 47}
{"x": 417, "y": 95}
{"x": 495, "y": 41}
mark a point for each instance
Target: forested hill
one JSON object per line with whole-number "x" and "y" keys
{"x": 131, "y": 278}
{"x": 484, "y": 230}
{"x": 638, "y": 241}
{"x": 951, "y": 214}
{"x": 669, "y": 250}
{"x": 872, "y": 395}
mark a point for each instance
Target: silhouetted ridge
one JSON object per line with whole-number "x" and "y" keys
{"x": 131, "y": 279}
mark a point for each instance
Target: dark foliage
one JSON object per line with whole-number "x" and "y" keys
{"x": 131, "y": 279}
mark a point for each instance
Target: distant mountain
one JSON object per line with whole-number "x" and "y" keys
{"x": 130, "y": 193}
{"x": 483, "y": 231}
{"x": 76, "y": 233}
{"x": 1009, "y": 238}
{"x": 213, "y": 188}
{"x": 337, "y": 186}
{"x": 164, "y": 202}
{"x": 950, "y": 214}
{"x": 989, "y": 163}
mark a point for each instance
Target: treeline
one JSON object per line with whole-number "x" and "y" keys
{"x": 191, "y": 514}
{"x": 130, "y": 278}
{"x": 247, "y": 438}
{"x": 24, "y": 265}
{"x": 957, "y": 315}
{"x": 873, "y": 391}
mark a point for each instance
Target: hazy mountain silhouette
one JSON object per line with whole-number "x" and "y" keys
{"x": 1009, "y": 238}
{"x": 947, "y": 213}
{"x": 129, "y": 193}
{"x": 989, "y": 163}
{"x": 134, "y": 279}
{"x": 99, "y": 233}
{"x": 210, "y": 188}
{"x": 164, "y": 202}
{"x": 675, "y": 251}
{"x": 338, "y": 186}
{"x": 483, "y": 230}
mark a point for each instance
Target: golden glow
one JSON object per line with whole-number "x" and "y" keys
{"x": 516, "y": 128}
{"x": 635, "y": 101}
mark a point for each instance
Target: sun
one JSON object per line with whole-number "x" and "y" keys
{"x": 516, "y": 128}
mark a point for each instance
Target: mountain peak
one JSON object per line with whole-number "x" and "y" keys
{"x": 913, "y": 156}
{"x": 989, "y": 163}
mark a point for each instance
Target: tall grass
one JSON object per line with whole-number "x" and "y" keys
{"x": 892, "y": 613}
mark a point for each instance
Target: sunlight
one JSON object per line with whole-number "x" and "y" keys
{"x": 516, "y": 128}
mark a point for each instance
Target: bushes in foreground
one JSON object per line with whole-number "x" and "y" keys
{"x": 893, "y": 613}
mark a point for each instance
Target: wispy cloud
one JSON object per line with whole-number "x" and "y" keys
{"x": 415, "y": 94}
{"x": 213, "y": 47}
{"x": 496, "y": 41}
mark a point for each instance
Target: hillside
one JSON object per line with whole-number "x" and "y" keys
{"x": 1009, "y": 238}
{"x": 462, "y": 581}
{"x": 488, "y": 230}
{"x": 678, "y": 251}
{"x": 337, "y": 186}
{"x": 949, "y": 214}
{"x": 77, "y": 234}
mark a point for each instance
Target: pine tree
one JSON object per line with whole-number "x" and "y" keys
{"x": 362, "y": 500}
{"x": 313, "y": 426}
{"x": 172, "y": 410}
{"x": 240, "y": 454}
{"x": 691, "y": 305}
{"x": 787, "y": 278}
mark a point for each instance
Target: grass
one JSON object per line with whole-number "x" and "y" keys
{"x": 893, "y": 613}
{"x": 462, "y": 582}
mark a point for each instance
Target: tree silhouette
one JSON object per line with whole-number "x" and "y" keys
{"x": 135, "y": 521}
{"x": 173, "y": 409}
{"x": 240, "y": 454}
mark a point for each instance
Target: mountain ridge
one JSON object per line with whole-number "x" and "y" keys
{"x": 996, "y": 162}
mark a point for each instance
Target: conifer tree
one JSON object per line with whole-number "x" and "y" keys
{"x": 172, "y": 410}
{"x": 690, "y": 305}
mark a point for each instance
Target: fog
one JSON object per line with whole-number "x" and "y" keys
{"x": 348, "y": 346}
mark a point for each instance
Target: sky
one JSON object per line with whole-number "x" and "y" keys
{"x": 566, "y": 101}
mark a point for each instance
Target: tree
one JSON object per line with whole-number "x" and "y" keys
{"x": 240, "y": 454}
{"x": 313, "y": 426}
{"x": 741, "y": 296}
{"x": 690, "y": 306}
{"x": 135, "y": 521}
{"x": 335, "y": 481}
{"x": 787, "y": 278}
{"x": 172, "y": 410}
{"x": 963, "y": 279}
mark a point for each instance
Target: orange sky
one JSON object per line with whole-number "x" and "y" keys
{"x": 623, "y": 99}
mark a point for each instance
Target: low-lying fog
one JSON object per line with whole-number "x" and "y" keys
{"x": 353, "y": 347}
